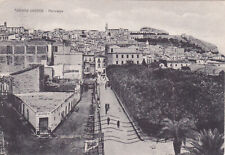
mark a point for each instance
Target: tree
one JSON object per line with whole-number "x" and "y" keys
{"x": 178, "y": 131}
{"x": 207, "y": 143}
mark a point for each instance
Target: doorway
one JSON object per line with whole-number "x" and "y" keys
{"x": 43, "y": 125}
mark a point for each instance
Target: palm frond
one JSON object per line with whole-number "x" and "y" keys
{"x": 208, "y": 142}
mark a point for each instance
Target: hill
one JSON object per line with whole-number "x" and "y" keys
{"x": 189, "y": 43}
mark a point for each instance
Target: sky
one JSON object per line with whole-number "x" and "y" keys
{"x": 202, "y": 19}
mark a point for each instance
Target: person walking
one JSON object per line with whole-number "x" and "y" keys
{"x": 108, "y": 120}
{"x": 106, "y": 108}
{"x": 118, "y": 124}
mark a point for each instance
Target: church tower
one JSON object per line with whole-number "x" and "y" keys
{"x": 106, "y": 27}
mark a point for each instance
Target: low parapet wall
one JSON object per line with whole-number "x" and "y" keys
{"x": 134, "y": 125}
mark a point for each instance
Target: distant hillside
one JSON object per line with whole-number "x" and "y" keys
{"x": 189, "y": 43}
{"x": 208, "y": 47}
{"x": 153, "y": 30}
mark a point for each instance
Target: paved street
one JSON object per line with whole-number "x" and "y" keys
{"x": 123, "y": 140}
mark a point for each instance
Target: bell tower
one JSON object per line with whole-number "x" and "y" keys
{"x": 106, "y": 27}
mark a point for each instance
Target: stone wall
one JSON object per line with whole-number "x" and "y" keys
{"x": 28, "y": 80}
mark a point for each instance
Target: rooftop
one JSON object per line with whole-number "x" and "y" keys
{"x": 42, "y": 102}
{"x": 26, "y": 42}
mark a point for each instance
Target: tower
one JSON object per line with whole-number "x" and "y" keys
{"x": 5, "y": 24}
{"x": 106, "y": 27}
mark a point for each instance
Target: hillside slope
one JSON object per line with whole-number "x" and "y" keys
{"x": 189, "y": 43}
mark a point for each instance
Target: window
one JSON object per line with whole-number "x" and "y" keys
{"x": 87, "y": 69}
{"x": 117, "y": 62}
{"x": 9, "y": 60}
{"x": 30, "y": 49}
{"x": 111, "y": 50}
{"x": 98, "y": 60}
{"x": 19, "y": 50}
{"x": 122, "y": 62}
{"x": 132, "y": 56}
{"x": 55, "y": 48}
{"x": 30, "y": 59}
{"x": 2, "y": 59}
{"x": 9, "y": 49}
{"x": 122, "y": 56}
{"x": 98, "y": 65}
{"x": 117, "y": 56}
{"x": 41, "y": 49}
{"x": 127, "y": 56}
{"x": 137, "y": 56}
{"x": 19, "y": 60}
{"x": 137, "y": 62}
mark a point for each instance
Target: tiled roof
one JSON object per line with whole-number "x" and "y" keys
{"x": 42, "y": 102}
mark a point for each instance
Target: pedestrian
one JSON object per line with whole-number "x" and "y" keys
{"x": 108, "y": 120}
{"x": 118, "y": 124}
{"x": 108, "y": 106}
{"x": 106, "y": 109}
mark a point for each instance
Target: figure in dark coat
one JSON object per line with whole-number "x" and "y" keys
{"x": 108, "y": 120}
{"x": 118, "y": 124}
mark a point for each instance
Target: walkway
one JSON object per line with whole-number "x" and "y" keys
{"x": 123, "y": 140}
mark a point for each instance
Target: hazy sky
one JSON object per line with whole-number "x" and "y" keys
{"x": 202, "y": 19}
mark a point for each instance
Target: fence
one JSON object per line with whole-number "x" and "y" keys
{"x": 96, "y": 144}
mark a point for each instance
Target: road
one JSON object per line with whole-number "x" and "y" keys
{"x": 123, "y": 140}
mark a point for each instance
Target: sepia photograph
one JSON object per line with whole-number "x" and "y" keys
{"x": 112, "y": 77}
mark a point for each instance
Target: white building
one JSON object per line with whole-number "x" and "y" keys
{"x": 68, "y": 66}
{"x": 100, "y": 64}
{"x": 177, "y": 64}
{"x": 122, "y": 54}
{"x": 45, "y": 110}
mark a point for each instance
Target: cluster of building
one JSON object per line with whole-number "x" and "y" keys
{"x": 43, "y": 110}
{"x": 32, "y": 57}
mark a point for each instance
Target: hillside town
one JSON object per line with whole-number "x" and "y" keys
{"x": 45, "y": 75}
